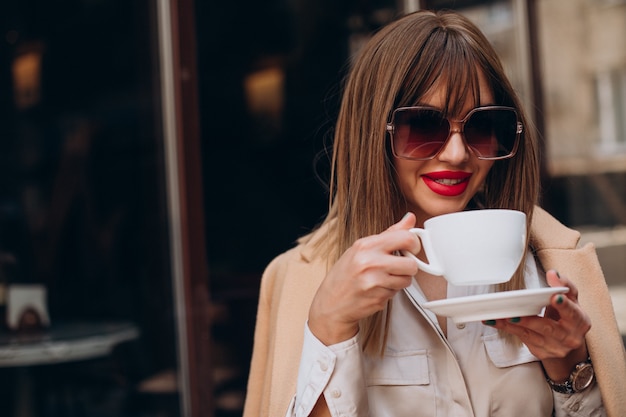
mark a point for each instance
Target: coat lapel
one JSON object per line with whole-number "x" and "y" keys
{"x": 555, "y": 247}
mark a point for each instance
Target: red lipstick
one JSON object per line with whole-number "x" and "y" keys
{"x": 447, "y": 183}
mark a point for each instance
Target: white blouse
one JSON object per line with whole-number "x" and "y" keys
{"x": 471, "y": 372}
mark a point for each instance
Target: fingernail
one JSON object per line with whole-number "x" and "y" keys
{"x": 557, "y": 274}
{"x": 515, "y": 320}
{"x": 559, "y": 299}
{"x": 489, "y": 322}
{"x": 405, "y": 215}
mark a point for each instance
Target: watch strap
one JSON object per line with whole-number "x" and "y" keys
{"x": 562, "y": 387}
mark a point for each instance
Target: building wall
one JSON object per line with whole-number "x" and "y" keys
{"x": 581, "y": 41}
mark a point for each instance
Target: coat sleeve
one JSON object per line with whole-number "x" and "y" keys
{"x": 259, "y": 379}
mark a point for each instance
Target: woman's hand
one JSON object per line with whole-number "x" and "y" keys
{"x": 361, "y": 282}
{"x": 558, "y": 338}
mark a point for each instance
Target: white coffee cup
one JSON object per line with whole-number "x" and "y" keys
{"x": 477, "y": 247}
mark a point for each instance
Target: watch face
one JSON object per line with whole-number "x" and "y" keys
{"x": 583, "y": 377}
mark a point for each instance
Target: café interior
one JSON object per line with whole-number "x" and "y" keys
{"x": 155, "y": 155}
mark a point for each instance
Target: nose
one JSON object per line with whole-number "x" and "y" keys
{"x": 455, "y": 151}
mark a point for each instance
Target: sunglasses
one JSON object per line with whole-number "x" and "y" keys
{"x": 420, "y": 133}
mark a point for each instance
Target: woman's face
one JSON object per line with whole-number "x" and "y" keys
{"x": 446, "y": 183}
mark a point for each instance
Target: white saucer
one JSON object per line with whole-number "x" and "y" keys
{"x": 497, "y": 305}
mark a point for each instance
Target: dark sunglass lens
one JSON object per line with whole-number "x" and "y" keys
{"x": 419, "y": 133}
{"x": 492, "y": 132}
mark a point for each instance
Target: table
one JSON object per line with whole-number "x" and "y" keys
{"x": 62, "y": 342}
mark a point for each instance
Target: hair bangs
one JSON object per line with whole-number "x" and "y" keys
{"x": 446, "y": 62}
{"x": 459, "y": 77}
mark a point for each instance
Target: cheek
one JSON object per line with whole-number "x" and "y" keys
{"x": 483, "y": 169}
{"x": 407, "y": 176}
{"x": 407, "y": 172}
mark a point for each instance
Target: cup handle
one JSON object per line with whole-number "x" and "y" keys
{"x": 433, "y": 266}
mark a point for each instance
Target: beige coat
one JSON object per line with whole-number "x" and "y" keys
{"x": 291, "y": 280}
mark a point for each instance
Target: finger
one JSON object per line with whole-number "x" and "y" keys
{"x": 517, "y": 326}
{"x": 406, "y": 222}
{"x": 397, "y": 240}
{"x": 545, "y": 328}
{"x": 396, "y": 283}
{"x": 374, "y": 267}
{"x": 401, "y": 265}
{"x": 558, "y": 337}
{"x": 555, "y": 279}
{"x": 564, "y": 320}
{"x": 390, "y": 242}
{"x": 544, "y": 338}
{"x": 571, "y": 316}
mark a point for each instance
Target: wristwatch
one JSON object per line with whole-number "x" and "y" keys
{"x": 580, "y": 379}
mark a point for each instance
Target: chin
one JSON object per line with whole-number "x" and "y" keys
{"x": 441, "y": 208}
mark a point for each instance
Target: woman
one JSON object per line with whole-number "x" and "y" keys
{"x": 340, "y": 330}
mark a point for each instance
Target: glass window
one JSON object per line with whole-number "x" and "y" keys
{"x": 611, "y": 111}
{"x": 87, "y": 316}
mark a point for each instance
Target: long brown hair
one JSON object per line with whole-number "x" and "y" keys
{"x": 399, "y": 64}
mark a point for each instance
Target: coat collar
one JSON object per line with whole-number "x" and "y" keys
{"x": 546, "y": 232}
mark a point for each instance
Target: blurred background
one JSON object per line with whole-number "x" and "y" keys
{"x": 155, "y": 155}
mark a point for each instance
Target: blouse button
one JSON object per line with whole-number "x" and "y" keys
{"x": 336, "y": 393}
{"x": 460, "y": 326}
{"x": 323, "y": 366}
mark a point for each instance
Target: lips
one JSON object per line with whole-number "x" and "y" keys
{"x": 447, "y": 183}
